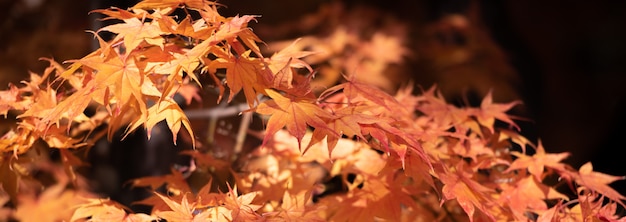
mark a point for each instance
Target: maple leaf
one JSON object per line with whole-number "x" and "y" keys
{"x": 489, "y": 112}
{"x": 538, "y": 162}
{"x": 116, "y": 75}
{"x": 167, "y": 110}
{"x": 609, "y": 212}
{"x": 515, "y": 138}
{"x": 390, "y": 45}
{"x": 413, "y": 167}
{"x": 469, "y": 193}
{"x": 294, "y": 207}
{"x": 396, "y": 139}
{"x": 116, "y": 13}
{"x": 442, "y": 115}
{"x": 234, "y": 27}
{"x": 598, "y": 182}
{"x": 283, "y": 77}
{"x": 355, "y": 92}
{"x": 218, "y": 213}
{"x": 206, "y": 199}
{"x": 550, "y": 215}
{"x": 266, "y": 176}
{"x": 346, "y": 121}
{"x": 175, "y": 181}
{"x": 240, "y": 205}
{"x": 528, "y": 194}
{"x": 591, "y": 207}
{"x": 404, "y": 95}
{"x": 8, "y": 99}
{"x": 356, "y": 158}
{"x": 45, "y": 107}
{"x": 53, "y": 204}
{"x": 134, "y": 32}
{"x": 290, "y": 56}
{"x": 189, "y": 92}
{"x": 17, "y": 142}
{"x": 374, "y": 58}
{"x": 294, "y": 113}
{"x": 205, "y": 159}
{"x": 241, "y": 73}
{"x": 472, "y": 147}
{"x": 293, "y": 84}
{"x": 155, "y": 4}
{"x": 182, "y": 211}
{"x": 378, "y": 198}
{"x": 56, "y": 137}
{"x": 187, "y": 62}
{"x": 106, "y": 210}
{"x": 196, "y": 30}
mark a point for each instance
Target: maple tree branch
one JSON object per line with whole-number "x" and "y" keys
{"x": 243, "y": 131}
{"x": 216, "y": 112}
{"x": 220, "y": 111}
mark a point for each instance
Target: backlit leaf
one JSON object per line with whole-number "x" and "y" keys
{"x": 599, "y": 182}
{"x": 293, "y": 113}
{"x": 167, "y": 110}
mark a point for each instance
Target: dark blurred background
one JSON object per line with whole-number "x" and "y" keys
{"x": 564, "y": 60}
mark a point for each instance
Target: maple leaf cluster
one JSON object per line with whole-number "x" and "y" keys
{"x": 348, "y": 39}
{"x": 401, "y": 157}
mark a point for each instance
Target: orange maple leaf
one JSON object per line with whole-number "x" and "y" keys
{"x": 116, "y": 13}
{"x": 442, "y": 115}
{"x": 187, "y": 62}
{"x": 175, "y": 181}
{"x": 8, "y": 99}
{"x": 293, "y": 84}
{"x": 396, "y": 139}
{"x": 106, "y": 210}
{"x": 45, "y": 106}
{"x": 593, "y": 207}
{"x": 241, "y": 73}
{"x": 237, "y": 26}
{"x": 470, "y": 194}
{"x": 598, "y": 182}
{"x": 240, "y": 205}
{"x": 528, "y": 194}
{"x": 295, "y": 207}
{"x": 294, "y": 113}
{"x": 115, "y": 76}
{"x": 54, "y": 204}
{"x": 134, "y": 32}
{"x": 489, "y": 112}
{"x": 355, "y": 92}
{"x": 551, "y": 214}
{"x": 182, "y": 211}
{"x": 293, "y": 53}
{"x": 345, "y": 121}
{"x": 186, "y": 27}
{"x": 378, "y": 198}
{"x": 167, "y": 110}
{"x": 156, "y": 4}
{"x": 538, "y": 162}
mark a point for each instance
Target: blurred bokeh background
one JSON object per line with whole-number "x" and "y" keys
{"x": 564, "y": 60}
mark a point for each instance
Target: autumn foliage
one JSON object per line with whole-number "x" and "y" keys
{"x": 399, "y": 157}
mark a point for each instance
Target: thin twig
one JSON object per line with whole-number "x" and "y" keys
{"x": 216, "y": 112}
{"x": 243, "y": 131}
